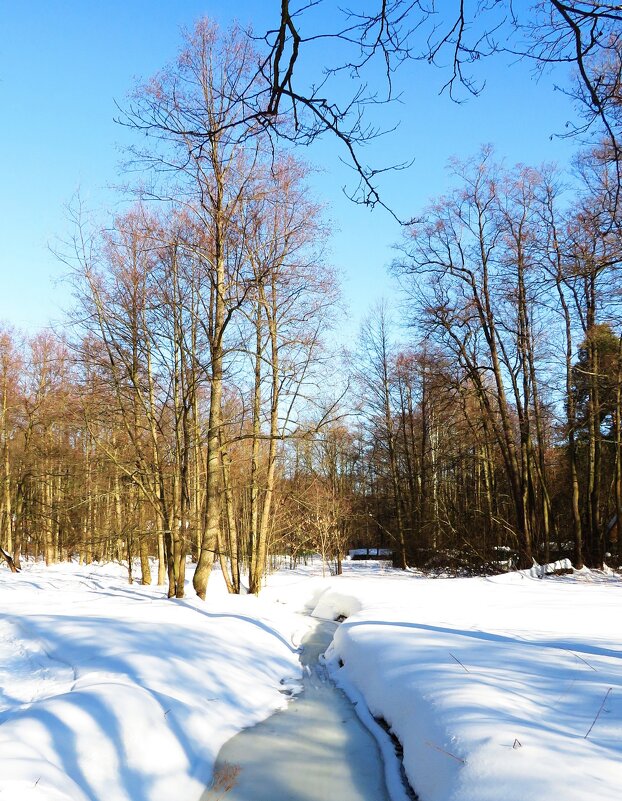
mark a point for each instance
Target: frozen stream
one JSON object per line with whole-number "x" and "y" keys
{"x": 314, "y": 750}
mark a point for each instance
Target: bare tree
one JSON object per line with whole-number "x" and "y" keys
{"x": 192, "y": 112}
{"x": 461, "y": 247}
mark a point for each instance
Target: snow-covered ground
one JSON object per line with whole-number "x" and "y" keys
{"x": 498, "y": 688}
{"x": 507, "y": 687}
{"x": 112, "y": 693}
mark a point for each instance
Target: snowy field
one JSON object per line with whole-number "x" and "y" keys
{"x": 499, "y": 688}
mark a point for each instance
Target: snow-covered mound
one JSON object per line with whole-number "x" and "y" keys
{"x": 497, "y": 688}
{"x": 112, "y": 692}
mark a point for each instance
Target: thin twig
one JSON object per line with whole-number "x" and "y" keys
{"x": 585, "y": 662}
{"x": 455, "y": 658}
{"x": 448, "y": 753}
{"x": 598, "y": 713}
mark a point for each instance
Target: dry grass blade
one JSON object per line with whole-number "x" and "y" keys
{"x": 598, "y": 713}
{"x": 224, "y": 780}
{"x": 443, "y": 751}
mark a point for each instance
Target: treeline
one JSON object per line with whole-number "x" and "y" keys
{"x": 186, "y": 410}
{"x": 499, "y": 431}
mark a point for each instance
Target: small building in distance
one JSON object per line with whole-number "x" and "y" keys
{"x": 358, "y": 554}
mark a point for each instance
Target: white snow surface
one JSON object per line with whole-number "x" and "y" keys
{"x": 112, "y": 692}
{"x": 497, "y": 688}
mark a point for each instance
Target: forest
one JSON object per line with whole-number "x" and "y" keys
{"x": 195, "y": 404}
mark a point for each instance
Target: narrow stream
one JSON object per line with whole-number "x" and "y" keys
{"x": 314, "y": 750}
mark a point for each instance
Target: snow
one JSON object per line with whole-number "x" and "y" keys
{"x": 500, "y": 687}
{"x": 112, "y": 692}
{"x": 491, "y": 685}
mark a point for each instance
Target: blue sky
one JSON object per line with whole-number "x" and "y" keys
{"x": 64, "y": 63}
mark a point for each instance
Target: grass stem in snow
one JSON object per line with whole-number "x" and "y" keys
{"x": 447, "y": 753}
{"x": 455, "y": 658}
{"x": 598, "y": 713}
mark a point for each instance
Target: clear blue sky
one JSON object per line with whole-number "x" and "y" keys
{"x": 64, "y": 63}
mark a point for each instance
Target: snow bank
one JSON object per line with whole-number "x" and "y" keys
{"x": 113, "y": 692}
{"x": 498, "y": 688}
{"x": 507, "y": 687}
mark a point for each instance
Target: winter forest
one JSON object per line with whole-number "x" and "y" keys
{"x": 195, "y": 404}
{"x": 184, "y": 408}
{"x": 311, "y": 486}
